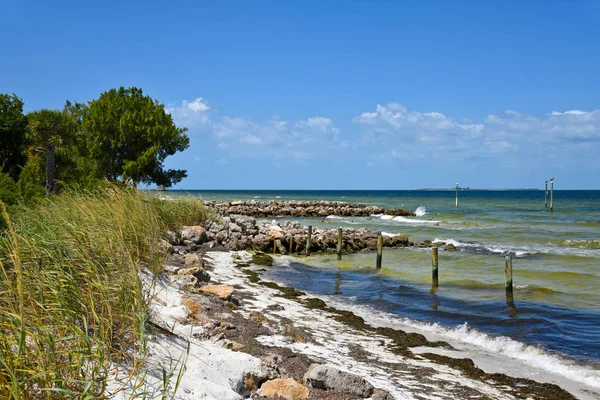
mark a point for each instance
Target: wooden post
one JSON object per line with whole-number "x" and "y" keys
{"x": 509, "y": 282}
{"x": 291, "y": 244}
{"x": 339, "y": 244}
{"x": 274, "y": 246}
{"x": 552, "y": 194}
{"x": 434, "y": 268}
{"x": 546, "y": 196}
{"x": 308, "y": 240}
{"x": 457, "y": 195}
{"x": 379, "y": 250}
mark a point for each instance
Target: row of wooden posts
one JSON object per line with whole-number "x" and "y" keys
{"x": 434, "y": 262}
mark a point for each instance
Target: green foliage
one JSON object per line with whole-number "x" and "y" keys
{"x": 71, "y": 300}
{"x": 8, "y": 190}
{"x": 31, "y": 180}
{"x": 130, "y": 135}
{"x": 12, "y": 134}
{"x": 48, "y": 130}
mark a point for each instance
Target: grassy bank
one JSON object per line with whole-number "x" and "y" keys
{"x": 70, "y": 297}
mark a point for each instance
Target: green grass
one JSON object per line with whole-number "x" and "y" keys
{"x": 71, "y": 300}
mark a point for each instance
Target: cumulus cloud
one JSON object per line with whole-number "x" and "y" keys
{"x": 406, "y": 134}
{"x": 318, "y": 124}
{"x": 194, "y": 113}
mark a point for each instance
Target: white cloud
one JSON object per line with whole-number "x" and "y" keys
{"x": 191, "y": 114}
{"x": 405, "y": 134}
{"x": 318, "y": 124}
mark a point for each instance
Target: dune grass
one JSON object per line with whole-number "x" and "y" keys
{"x": 71, "y": 302}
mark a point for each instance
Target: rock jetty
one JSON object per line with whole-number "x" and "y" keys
{"x": 295, "y": 208}
{"x": 240, "y": 232}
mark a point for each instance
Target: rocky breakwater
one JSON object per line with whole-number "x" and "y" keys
{"x": 239, "y": 232}
{"x": 295, "y": 208}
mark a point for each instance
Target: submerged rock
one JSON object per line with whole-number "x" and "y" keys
{"x": 261, "y": 258}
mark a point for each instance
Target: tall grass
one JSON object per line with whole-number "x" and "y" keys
{"x": 71, "y": 301}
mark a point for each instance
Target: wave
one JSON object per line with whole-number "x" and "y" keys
{"x": 499, "y": 345}
{"x": 582, "y": 244}
{"x": 383, "y": 233}
{"x": 420, "y": 211}
{"x": 523, "y": 251}
{"x": 526, "y": 289}
{"x": 405, "y": 220}
{"x": 484, "y": 248}
{"x": 277, "y": 197}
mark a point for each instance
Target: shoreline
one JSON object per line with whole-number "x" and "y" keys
{"x": 275, "y": 324}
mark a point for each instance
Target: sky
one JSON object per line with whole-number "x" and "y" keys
{"x": 336, "y": 94}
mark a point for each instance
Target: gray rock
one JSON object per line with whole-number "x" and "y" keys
{"x": 326, "y": 377}
{"x": 194, "y": 234}
{"x": 381, "y": 394}
{"x": 261, "y": 242}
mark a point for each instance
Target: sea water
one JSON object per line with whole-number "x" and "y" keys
{"x": 555, "y": 323}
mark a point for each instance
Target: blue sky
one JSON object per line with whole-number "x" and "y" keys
{"x": 337, "y": 94}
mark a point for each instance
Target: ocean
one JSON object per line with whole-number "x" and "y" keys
{"x": 554, "y": 326}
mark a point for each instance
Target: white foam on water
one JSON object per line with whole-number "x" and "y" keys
{"x": 334, "y": 217}
{"x": 420, "y": 211}
{"x": 504, "y": 349}
{"x": 404, "y": 220}
{"x": 389, "y": 234}
{"x": 257, "y": 197}
{"x": 524, "y": 250}
{"x": 277, "y": 197}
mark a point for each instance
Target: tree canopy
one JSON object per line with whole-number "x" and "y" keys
{"x": 129, "y": 135}
{"x": 49, "y": 129}
{"x": 13, "y": 125}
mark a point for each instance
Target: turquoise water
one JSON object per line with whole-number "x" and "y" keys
{"x": 556, "y": 262}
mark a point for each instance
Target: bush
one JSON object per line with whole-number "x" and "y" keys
{"x": 70, "y": 295}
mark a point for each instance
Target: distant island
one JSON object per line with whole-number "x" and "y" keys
{"x": 488, "y": 190}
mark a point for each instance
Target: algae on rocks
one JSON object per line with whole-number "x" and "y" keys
{"x": 261, "y": 258}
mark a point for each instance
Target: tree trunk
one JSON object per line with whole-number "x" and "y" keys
{"x": 50, "y": 169}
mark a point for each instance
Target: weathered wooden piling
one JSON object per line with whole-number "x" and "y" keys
{"x": 308, "y": 238}
{"x": 379, "y": 250}
{"x": 434, "y": 268}
{"x": 546, "y": 196}
{"x": 339, "y": 244}
{"x": 509, "y": 283}
{"x": 274, "y": 246}
{"x": 291, "y": 244}
{"x": 552, "y": 194}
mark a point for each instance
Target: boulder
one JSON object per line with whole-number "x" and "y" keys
{"x": 261, "y": 242}
{"x": 222, "y": 291}
{"x": 326, "y": 377}
{"x": 191, "y": 259}
{"x": 288, "y": 389}
{"x": 194, "y": 234}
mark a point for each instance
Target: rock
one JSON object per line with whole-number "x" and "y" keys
{"x": 171, "y": 269}
{"x": 288, "y": 389}
{"x": 195, "y": 234}
{"x": 224, "y": 292}
{"x": 275, "y": 234}
{"x": 450, "y": 247}
{"x": 258, "y": 317}
{"x": 220, "y": 237}
{"x": 380, "y": 394}
{"x": 191, "y": 259}
{"x": 327, "y": 377}
{"x": 261, "y": 258}
{"x": 197, "y": 272}
{"x": 261, "y": 242}
{"x": 174, "y": 238}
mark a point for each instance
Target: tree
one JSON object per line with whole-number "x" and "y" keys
{"x": 47, "y": 130}
{"x": 129, "y": 135}
{"x": 13, "y": 126}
